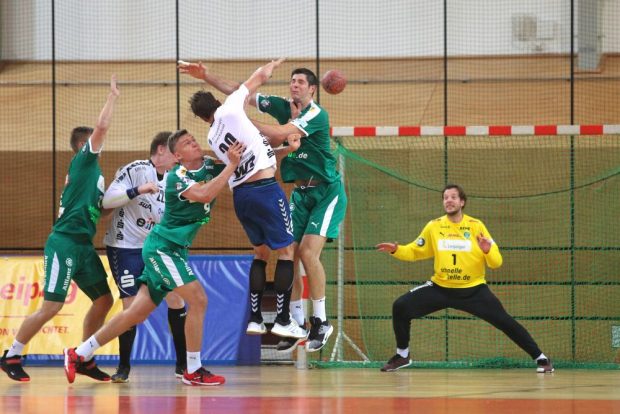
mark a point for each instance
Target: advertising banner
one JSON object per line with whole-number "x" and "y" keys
{"x": 225, "y": 279}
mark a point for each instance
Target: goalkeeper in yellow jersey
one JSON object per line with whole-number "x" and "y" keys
{"x": 462, "y": 248}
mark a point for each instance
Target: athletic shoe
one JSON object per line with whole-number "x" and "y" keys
{"x": 202, "y": 377}
{"x": 90, "y": 369}
{"x": 319, "y": 334}
{"x": 289, "y": 330}
{"x": 13, "y": 367}
{"x": 72, "y": 361}
{"x": 178, "y": 370}
{"x": 544, "y": 366}
{"x": 396, "y": 362}
{"x": 256, "y": 328}
{"x": 122, "y": 374}
{"x": 288, "y": 344}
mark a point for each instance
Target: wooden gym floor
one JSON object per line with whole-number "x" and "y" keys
{"x": 284, "y": 389}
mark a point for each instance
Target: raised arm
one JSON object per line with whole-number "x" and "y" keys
{"x": 199, "y": 71}
{"x": 206, "y": 192}
{"x": 492, "y": 255}
{"x": 105, "y": 117}
{"x": 277, "y": 134}
{"x": 419, "y": 249}
{"x": 260, "y": 76}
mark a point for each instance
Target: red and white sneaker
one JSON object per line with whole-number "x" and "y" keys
{"x": 72, "y": 361}
{"x": 202, "y": 377}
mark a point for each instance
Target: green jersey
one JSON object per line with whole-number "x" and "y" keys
{"x": 314, "y": 159}
{"x": 80, "y": 202}
{"x": 183, "y": 218}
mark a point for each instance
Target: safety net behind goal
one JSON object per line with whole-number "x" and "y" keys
{"x": 549, "y": 203}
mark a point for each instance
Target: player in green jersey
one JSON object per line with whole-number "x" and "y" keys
{"x": 318, "y": 202}
{"x": 191, "y": 188}
{"x": 69, "y": 251}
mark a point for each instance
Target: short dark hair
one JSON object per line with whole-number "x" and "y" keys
{"x": 174, "y": 138}
{"x": 160, "y": 139}
{"x": 204, "y": 104}
{"x": 310, "y": 76}
{"x": 458, "y": 188}
{"x": 78, "y": 136}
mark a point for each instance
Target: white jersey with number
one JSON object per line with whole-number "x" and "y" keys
{"x": 132, "y": 222}
{"x": 231, "y": 124}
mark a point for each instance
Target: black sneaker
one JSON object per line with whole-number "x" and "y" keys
{"x": 319, "y": 334}
{"x": 122, "y": 374}
{"x": 90, "y": 369}
{"x": 179, "y": 369}
{"x": 544, "y": 366}
{"x": 13, "y": 367}
{"x": 396, "y": 362}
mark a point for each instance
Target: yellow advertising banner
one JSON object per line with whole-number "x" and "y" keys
{"x": 21, "y": 294}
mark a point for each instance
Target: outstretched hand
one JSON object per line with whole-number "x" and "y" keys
{"x": 387, "y": 247}
{"x": 195, "y": 70}
{"x": 114, "y": 87}
{"x": 484, "y": 243}
{"x": 267, "y": 69}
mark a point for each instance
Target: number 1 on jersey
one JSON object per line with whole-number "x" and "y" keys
{"x": 454, "y": 259}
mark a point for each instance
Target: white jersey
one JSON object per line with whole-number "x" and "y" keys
{"x": 231, "y": 124}
{"x": 132, "y": 222}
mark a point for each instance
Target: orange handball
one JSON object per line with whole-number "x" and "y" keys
{"x": 333, "y": 81}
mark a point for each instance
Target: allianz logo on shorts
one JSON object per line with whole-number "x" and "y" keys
{"x": 67, "y": 281}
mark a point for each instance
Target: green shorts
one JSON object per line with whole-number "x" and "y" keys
{"x": 165, "y": 267}
{"x": 318, "y": 210}
{"x": 72, "y": 257}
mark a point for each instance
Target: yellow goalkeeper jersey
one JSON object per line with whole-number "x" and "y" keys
{"x": 459, "y": 261}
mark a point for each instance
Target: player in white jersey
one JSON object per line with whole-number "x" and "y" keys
{"x": 260, "y": 203}
{"x": 137, "y": 197}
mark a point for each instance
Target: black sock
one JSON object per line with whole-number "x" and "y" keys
{"x": 258, "y": 278}
{"x": 283, "y": 284}
{"x": 176, "y": 322}
{"x": 125, "y": 344}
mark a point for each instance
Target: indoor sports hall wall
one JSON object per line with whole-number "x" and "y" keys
{"x": 547, "y": 200}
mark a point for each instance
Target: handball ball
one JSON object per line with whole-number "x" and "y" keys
{"x": 334, "y": 81}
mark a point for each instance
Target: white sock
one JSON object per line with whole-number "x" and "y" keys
{"x": 403, "y": 352}
{"x": 541, "y": 356}
{"x": 297, "y": 311}
{"x": 318, "y": 309}
{"x": 193, "y": 362}
{"x": 16, "y": 349}
{"x": 88, "y": 347}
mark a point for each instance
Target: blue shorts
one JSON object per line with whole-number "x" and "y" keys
{"x": 126, "y": 266}
{"x": 262, "y": 209}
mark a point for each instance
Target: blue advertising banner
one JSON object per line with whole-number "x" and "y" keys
{"x": 225, "y": 279}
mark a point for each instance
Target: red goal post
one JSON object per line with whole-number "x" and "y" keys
{"x": 473, "y": 130}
